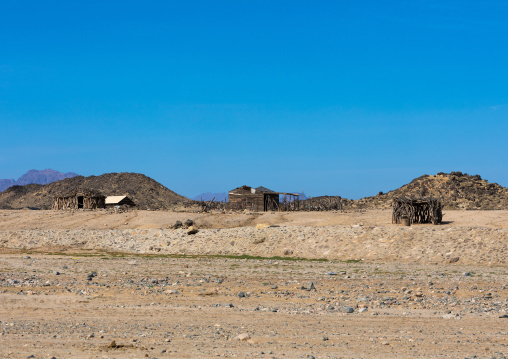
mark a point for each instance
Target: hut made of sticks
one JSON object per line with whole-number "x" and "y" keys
{"x": 417, "y": 210}
{"x": 79, "y": 200}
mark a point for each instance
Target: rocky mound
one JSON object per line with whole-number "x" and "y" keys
{"x": 457, "y": 190}
{"x": 144, "y": 191}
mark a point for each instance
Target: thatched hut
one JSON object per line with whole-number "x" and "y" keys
{"x": 417, "y": 210}
{"x": 86, "y": 199}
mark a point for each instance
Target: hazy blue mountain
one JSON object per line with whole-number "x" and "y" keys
{"x": 6, "y": 183}
{"x": 219, "y": 197}
{"x": 36, "y": 176}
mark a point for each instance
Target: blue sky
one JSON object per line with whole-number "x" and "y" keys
{"x": 330, "y": 97}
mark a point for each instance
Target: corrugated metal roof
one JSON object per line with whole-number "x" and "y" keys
{"x": 114, "y": 199}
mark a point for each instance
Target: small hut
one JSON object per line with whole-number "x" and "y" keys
{"x": 417, "y": 210}
{"x": 114, "y": 201}
{"x": 86, "y": 199}
{"x": 256, "y": 199}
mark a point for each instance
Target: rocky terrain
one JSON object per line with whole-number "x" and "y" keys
{"x": 37, "y": 177}
{"x": 144, "y": 191}
{"x": 465, "y": 237}
{"x": 456, "y": 190}
{"x": 478, "y": 246}
{"x": 109, "y": 306}
{"x": 97, "y": 284}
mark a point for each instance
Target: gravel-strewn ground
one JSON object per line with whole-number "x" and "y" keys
{"x": 423, "y": 244}
{"x": 74, "y": 307}
{"x": 416, "y": 292}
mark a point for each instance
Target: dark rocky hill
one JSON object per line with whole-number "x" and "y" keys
{"x": 36, "y": 176}
{"x": 144, "y": 191}
{"x": 457, "y": 190}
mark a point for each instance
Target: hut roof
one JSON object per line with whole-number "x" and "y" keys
{"x": 119, "y": 200}
{"x": 114, "y": 199}
{"x": 261, "y": 189}
{"x": 264, "y": 190}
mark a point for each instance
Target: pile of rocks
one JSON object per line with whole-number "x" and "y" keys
{"x": 188, "y": 225}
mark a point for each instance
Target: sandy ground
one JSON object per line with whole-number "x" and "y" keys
{"x": 26, "y": 219}
{"x": 75, "y": 303}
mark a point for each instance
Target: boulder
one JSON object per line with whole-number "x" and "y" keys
{"x": 192, "y": 230}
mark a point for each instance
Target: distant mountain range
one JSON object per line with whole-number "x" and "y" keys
{"x": 37, "y": 177}
{"x": 219, "y": 197}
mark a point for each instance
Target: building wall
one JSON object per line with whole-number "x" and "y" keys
{"x": 243, "y": 198}
{"x": 62, "y": 203}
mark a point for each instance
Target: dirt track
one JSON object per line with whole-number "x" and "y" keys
{"x": 73, "y": 304}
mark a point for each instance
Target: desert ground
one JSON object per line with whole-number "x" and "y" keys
{"x": 252, "y": 285}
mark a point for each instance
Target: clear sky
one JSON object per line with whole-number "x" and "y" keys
{"x": 336, "y": 97}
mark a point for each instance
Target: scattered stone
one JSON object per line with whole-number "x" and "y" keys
{"x": 467, "y": 274}
{"x": 177, "y": 225}
{"x": 361, "y": 310}
{"x": 243, "y": 336}
{"x": 309, "y": 287}
{"x": 454, "y": 260}
{"x": 259, "y": 240}
{"x": 189, "y": 223}
{"x": 241, "y": 294}
{"x": 192, "y": 230}
{"x": 55, "y": 272}
{"x": 346, "y": 310}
